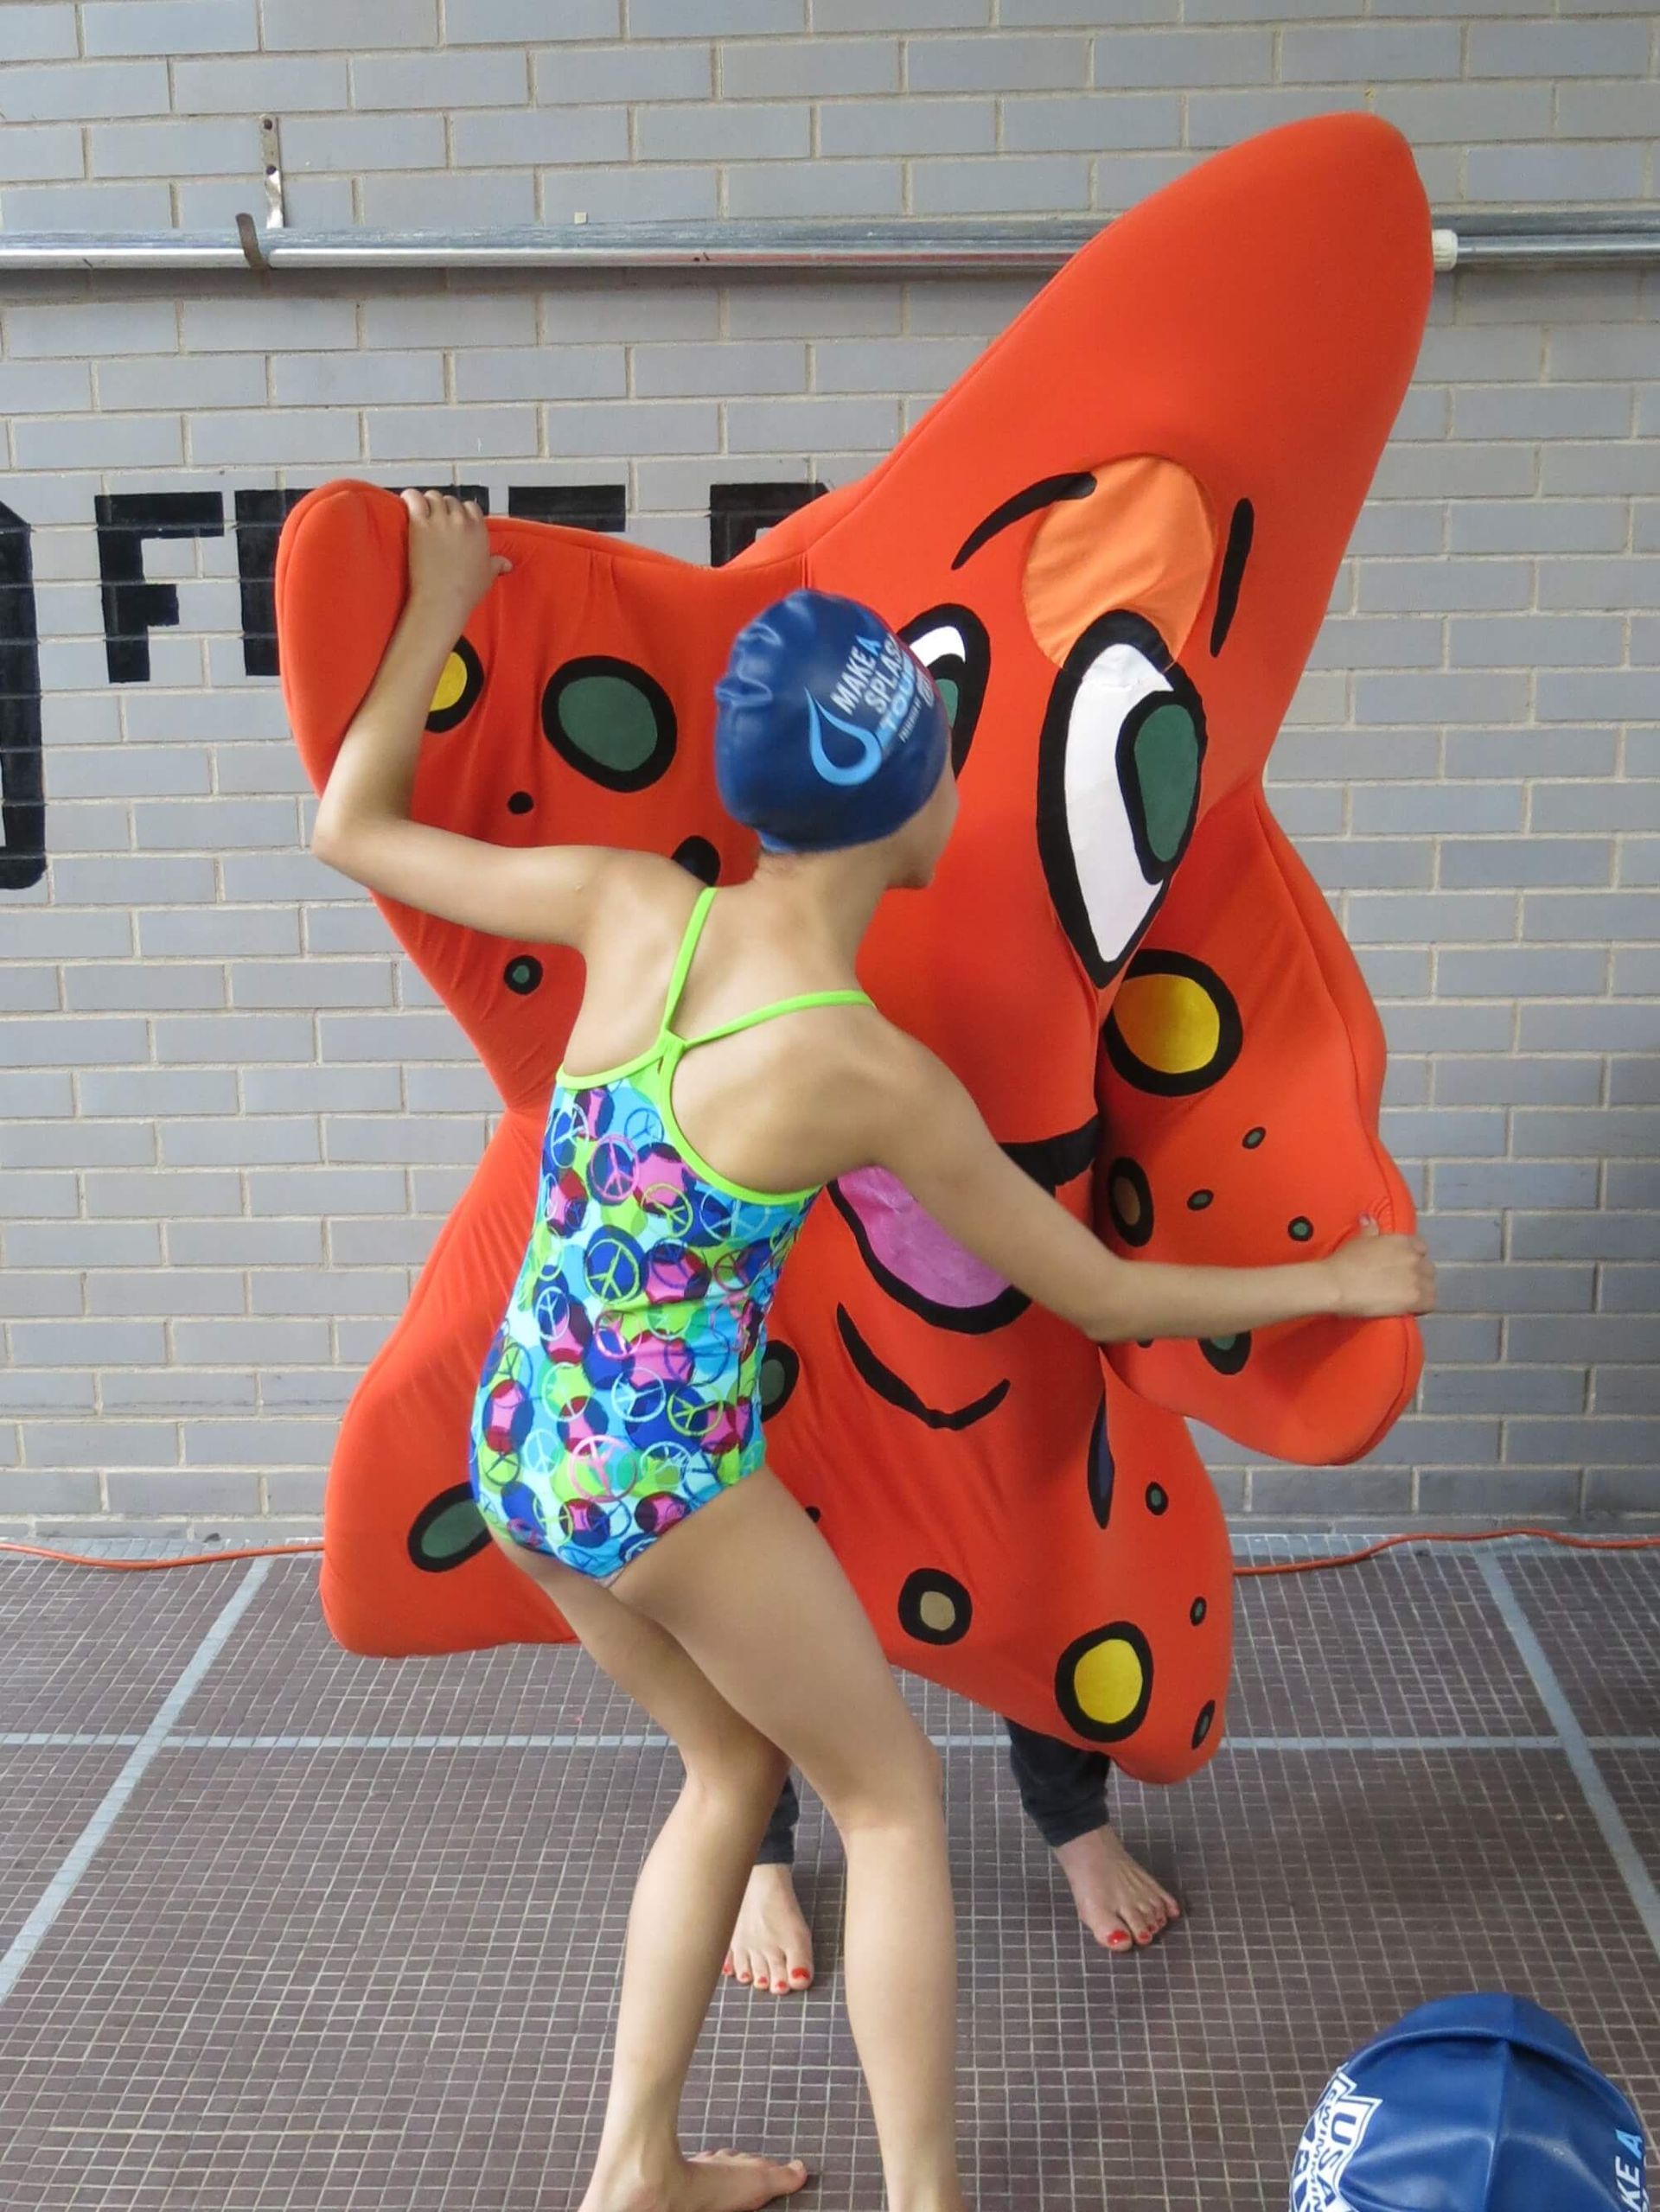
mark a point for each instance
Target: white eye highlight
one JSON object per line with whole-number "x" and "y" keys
{"x": 951, "y": 643}
{"x": 944, "y": 640}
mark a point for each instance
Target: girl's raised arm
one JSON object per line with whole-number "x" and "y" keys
{"x": 547, "y": 893}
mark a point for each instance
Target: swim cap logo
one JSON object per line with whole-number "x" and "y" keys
{"x": 859, "y": 770}
{"x": 1628, "y": 2172}
{"x": 879, "y": 678}
{"x": 1329, "y": 2141}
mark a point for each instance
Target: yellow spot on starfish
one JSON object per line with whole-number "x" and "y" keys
{"x": 451, "y": 684}
{"x": 1108, "y": 1679}
{"x": 1170, "y": 1023}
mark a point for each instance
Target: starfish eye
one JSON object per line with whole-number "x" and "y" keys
{"x": 1118, "y": 791}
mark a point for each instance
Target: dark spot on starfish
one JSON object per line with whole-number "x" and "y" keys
{"x": 1129, "y": 1200}
{"x": 934, "y": 1607}
{"x": 1227, "y": 1355}
{"x": 698, "y": 857}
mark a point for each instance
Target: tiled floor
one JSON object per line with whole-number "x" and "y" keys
{"x": 323, "y": 1954}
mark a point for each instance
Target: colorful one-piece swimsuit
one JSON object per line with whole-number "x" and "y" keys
{"x": 621, "y": 1392}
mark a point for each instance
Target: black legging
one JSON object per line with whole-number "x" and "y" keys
{"x": 1062, "y": 1789}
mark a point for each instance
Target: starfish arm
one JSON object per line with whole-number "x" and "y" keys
{"x": 1240, "y": 1069}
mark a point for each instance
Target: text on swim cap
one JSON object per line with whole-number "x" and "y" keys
{"x": 1628, "y": 2173}
{"x": 879, "y": 678}
{"x": 1334, "y": 2133}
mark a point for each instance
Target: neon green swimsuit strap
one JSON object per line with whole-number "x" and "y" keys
{"x": 683, "y": 960}
{"x": 799, "y": 1004}
{"x": 694, "y": 922}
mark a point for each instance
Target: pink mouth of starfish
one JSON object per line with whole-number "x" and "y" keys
{"x": 905, "y": 1241}
{"x": 920, "y": 1265}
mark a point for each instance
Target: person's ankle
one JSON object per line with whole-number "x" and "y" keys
{"x": 934, "y": 2196}
{"x": 634, "y": 2177}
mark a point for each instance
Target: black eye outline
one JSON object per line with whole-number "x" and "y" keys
{"x": 1119, "y": 627}
{"x": 655, "y": 763}
{"x": 443, "y": 718}
{"x": 971, "y": 668}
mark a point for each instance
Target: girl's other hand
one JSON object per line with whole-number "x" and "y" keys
{"x": 451, "y": 565}
{"x": 1375, "y": 1276}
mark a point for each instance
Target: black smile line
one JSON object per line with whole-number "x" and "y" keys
{"x": 1054, "y": 1161}
{"x": 898, "y": 1392}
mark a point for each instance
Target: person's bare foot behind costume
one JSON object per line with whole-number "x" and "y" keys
{"x": 1063, "y": 1790}
{"x": 1118, "y": 1900}
{"x": 772, "y": 1944}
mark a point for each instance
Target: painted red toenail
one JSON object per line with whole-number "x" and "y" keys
{"x": 800, "y": 1974}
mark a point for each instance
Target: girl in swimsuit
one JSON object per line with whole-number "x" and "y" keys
{"x": 724, "y": 1066}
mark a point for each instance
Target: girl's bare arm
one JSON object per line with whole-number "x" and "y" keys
{"x": 545, "y": 893}
{"x": 928, "y": 1131}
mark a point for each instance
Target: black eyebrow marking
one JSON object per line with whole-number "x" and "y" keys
{"x": 1241, "y": 530}
{"x": 1043, "y": 493}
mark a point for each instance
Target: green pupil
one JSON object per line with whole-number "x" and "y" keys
{"x": 1166, "y": 754}
{"x": 610, "y": 719}
{"x": 452, "y": 1531}
{"x": 950, "y": 691}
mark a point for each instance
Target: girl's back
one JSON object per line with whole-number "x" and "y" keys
{"x": 762, "y": 1102}
{"x": 622, "y": 1390}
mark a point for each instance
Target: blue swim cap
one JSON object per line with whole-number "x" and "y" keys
{"x": 830, "y": 731}
{"x": 1471, "y": 2104}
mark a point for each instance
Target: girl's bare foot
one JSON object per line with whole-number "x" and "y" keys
{"x": 730, "y": 2181}
{"x": 715, "y": 2180}
{"x": 1118, "y": 1901}
{"x": 772, "y": 1945}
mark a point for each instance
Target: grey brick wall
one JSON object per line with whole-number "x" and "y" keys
{"x": 231, "y": 1118}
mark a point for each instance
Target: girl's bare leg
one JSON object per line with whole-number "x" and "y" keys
{"x": 810, "y": 1675}
{"x": 684, "y": 1903}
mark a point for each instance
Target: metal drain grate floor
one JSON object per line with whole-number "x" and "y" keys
{"x": 288, "y": 1928}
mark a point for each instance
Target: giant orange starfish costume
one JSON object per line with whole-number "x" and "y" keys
{"x": 1113, "y": 541}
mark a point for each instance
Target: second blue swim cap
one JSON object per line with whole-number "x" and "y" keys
{"x": 1471, "y": 2104}
{"x": 830, "y": 732}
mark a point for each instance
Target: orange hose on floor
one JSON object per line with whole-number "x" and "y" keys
{"x": 1451, "y": 1536}
{"x": 1277, "y": 1567}
{"x": 149, "y": 1566}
